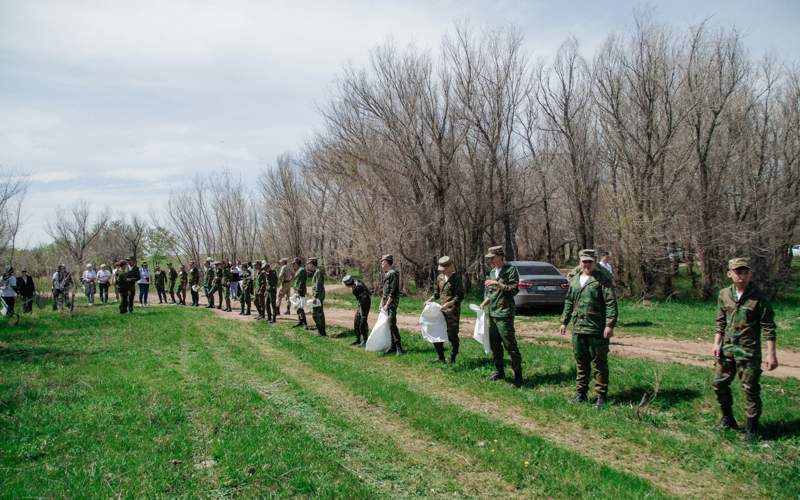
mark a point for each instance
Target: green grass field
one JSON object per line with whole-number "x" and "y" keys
{"x": 178, "y": 402}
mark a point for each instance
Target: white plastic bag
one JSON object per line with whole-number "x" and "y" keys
{"x": 481, "y": 333}
{"x": 314, "y": 303}
{"x": 298, "y": 302}
{"x": 432, "y": 323}
{"x": 380, "y": 339}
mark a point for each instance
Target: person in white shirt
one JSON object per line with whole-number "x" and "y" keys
{"x": 8, "y": 285}
{"x": 103, "y": 281}
{"x": 605, "y": 263}
{"x": 89, "y": 280}
{"x": 144, "y": 284}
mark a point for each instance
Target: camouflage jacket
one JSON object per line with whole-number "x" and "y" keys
{"x": 247, "y": 281}
{"x": 447, "y": 289}
{"x": 272, "y": 280}
{"x": 300, "y": 279}
{"x": 501, "y": 297}
{"x": 209, "y": 277}
{"x": 261, "y": 282}
{"x": 743, "y": 321}
{"x": 318, "y": 285}
{"x": 226, "y": 276}
{"x": 194, "y": 276}
{"x": 362, "y": 295}
{"x": 285, "y": 274}
{"x": 391, "y": 288}
{"x": 218, "y": 277}
{"x": 182, "y": 276}
{"x": 591, "y": 307}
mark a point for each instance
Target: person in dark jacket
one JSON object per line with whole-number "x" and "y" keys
{"x": 26, "y": 289}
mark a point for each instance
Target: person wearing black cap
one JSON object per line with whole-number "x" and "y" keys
{"x": 390, "y": 299}
{"x": 500, "y": 287}
{"x": 362, "y": 295}
{"x": 300, "y": 282}
{"x": 26, "y": 289}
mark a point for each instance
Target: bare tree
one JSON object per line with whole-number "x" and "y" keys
{"x": 75, "y": 229}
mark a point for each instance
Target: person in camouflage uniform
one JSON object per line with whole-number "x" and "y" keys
{"x": 500, "y": 288}
{"x": 285, "y": 277}
{"x": 362, "y": 295}
{"x": 272, "y": 291}
{"x": 246, "y": 286}
{"x": 743, "y": 316}
{"x": 161, "y": 284}
{"x": 300, "y": 283}
{"x": 591, "y": 307}
{"x": 317, "y": 295}
{"x": 172, "y": 276}
{"x": 260, "y": 289}
{"x": 390, "y": 298}
{"x": 194, "y": 284}
{"x": 208, "y": 282}
{"x": 216, "y": 283}
{"x": 449, "y": 290}
{"x": 182, "y": 277}
{"x": 225, "y": 291}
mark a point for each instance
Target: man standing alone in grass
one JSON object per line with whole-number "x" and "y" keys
{"x": 591, "y": 307}
{"x": 743, "y": 314}
{"x": 501, "y": 287}
{"x": 317, "y": 295}
{"x": 390, "y": 299}
{"x": 449, "y": 290}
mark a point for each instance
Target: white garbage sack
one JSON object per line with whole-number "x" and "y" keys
{"x": 380, "y": 339}
{"x": 314, "y": 303}
{"x": 298, "y": 302}
{"x": 432, "y": 323}
{"x": 481, "y": 333}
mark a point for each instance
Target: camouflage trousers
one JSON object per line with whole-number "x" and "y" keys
{"x": 259, "y": 303}
{"x": 245, "y": 299}
{"x": 591, "y": 351}
{"x": 749, "y": 371}
{"x": 502, "y": 335}
{"x": 360, "y": 326}
{"x": 284, "y": 292}
{"x": 318, "y": 313}
{"x": 452, "y": 322}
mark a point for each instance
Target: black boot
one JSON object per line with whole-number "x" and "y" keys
{"x": 601, "y": 402}
{"x": 453, "y": 358}
{"x": 439, "y": 353}
{"x": 580, "y": 397}
{"x": 727, "y": 421}
{"x": 357, "y": 341}
{"x": 498, "y": 374}
{"x": 751, "y": 429}
{"x": 517, "y": 379}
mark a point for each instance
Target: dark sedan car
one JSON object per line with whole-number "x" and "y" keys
{"x": 540, "y": 284}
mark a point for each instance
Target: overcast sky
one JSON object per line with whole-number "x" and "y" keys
{"x": 118, "y": 102}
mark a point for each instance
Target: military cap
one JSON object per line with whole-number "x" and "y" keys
{"x": 739, "y": 263}
{"x": 311, "y": 260}
{"x": 444, "y": 263}
{"x": 496, "y": 252}
{"x": 587, "y": 254}
{"x": 284, "y": 260}
{"x": 347, "y": 280}
{"x": 297, "y": 260}
{"x": 388, "y": 258}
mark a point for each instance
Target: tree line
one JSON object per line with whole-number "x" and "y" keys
{"x": 663, "y": 147}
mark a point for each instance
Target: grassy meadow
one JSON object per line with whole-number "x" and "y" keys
{"x": 180, "y": 402}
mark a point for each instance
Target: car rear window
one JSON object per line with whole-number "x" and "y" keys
{"x": 539, "y": 270}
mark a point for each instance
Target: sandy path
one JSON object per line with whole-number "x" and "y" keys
{"x": 629, "y": 346}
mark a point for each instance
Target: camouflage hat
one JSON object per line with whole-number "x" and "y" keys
{"x": 444, "y": 263}
{"x": 497, "y": 251}
{"x": 347, "y": 280}
{"x": 587, "y": 254}
{"x": 297, "y": 260}
{"x": 311, "y": 260}
{"x": 388, "y": 258}
{"x": 739, "y": 263}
